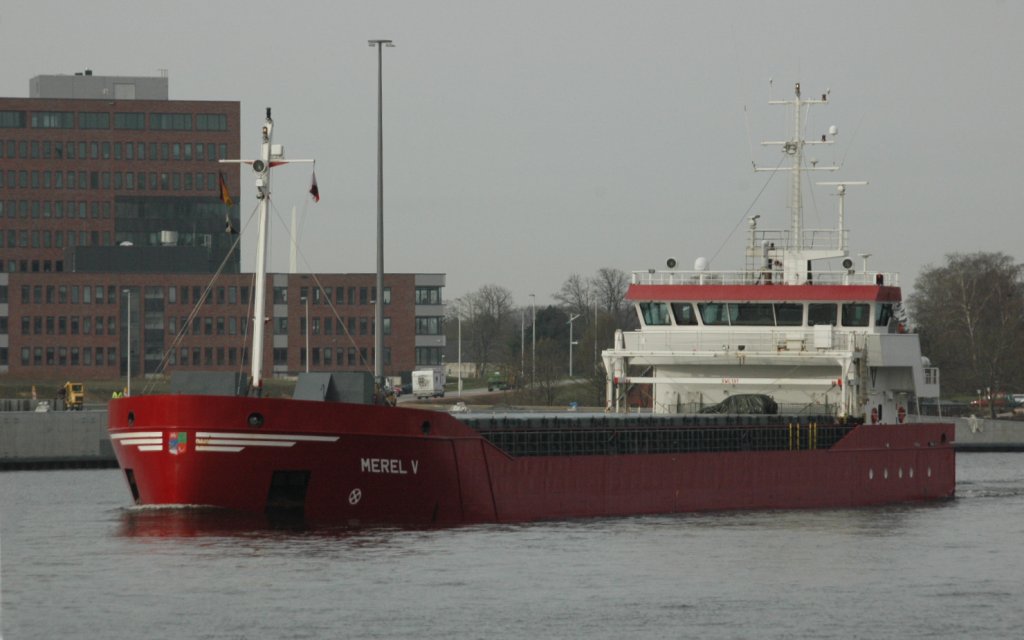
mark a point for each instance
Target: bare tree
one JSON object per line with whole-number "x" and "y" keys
{"x": 577, "y": 297}
{"x": 550, "y": 370}
{"x": 970, "y": 314}
{"x": 489, "y": 309}
{"x": 609, "y": 287}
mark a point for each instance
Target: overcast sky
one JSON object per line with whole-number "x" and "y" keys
{"x": 528, "y": 140}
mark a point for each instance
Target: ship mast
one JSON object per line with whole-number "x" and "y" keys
{"x": 800, "y": 247}
{"x": 270, "y": 156}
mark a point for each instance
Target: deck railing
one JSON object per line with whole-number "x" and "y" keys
{"x": 774, "y": 339}
{"x": 746, "y": 277}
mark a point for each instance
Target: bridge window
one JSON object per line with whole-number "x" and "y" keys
{"x": 856, "y": 314}
{"x": 818, "y": 313}
{"x": 683, "y": 311}
{"x": 789, "y": 314}
{"x": 883, "y": 315}
{"x": 655, "y": 313}
{"x": 714, "y": 313}
{"x": 759, "y": 314}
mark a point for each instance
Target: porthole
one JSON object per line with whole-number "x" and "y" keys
{"x": 255, "y": 420}
{"x": 899, "y": 474}
{"x": 885, "y": 474}
{"x": 425, "y": 427}
{"x": 131, "y": 418}
{"x": 871, "y": 474}
{"x": 911, "y": 471}
{"x": 929, "y": 472}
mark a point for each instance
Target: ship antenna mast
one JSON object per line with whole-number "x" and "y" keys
{"x": 270, "y": 156}
{"x": 794, "y": 148}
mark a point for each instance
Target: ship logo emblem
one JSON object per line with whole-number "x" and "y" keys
{"x": 176, "y": 442}
{"x": 354, "y": 497}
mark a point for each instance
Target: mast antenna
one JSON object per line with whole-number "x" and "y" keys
{"x": 270, "y": 156}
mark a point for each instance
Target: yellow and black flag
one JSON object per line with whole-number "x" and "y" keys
{"x": 225, "y": 197}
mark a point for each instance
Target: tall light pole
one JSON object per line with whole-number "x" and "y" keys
{"x": 458, "y": 312}
{"x": 572, "y": 318}
{"x": 128, "y": 387}
{"x": 378, "y": 339}
{"x": 533, "y": 355}
{"x": 305, "y": 299}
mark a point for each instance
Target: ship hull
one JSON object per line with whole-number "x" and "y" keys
{"x": 359, "y": 464}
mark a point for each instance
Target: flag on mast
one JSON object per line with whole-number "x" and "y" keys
{"x": 225, "y": 195}
{"x": 314, "y": 190}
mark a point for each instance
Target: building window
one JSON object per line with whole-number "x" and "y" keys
{"x": 88, "y": 120}
{"x": 170, "y": 121}
{"x": 281, "y": 326}
{"x": 12, "y": 119}
{"x": 132, "y": 121}
{"x": 53, "y": 120}
{"x": 428, "y": 295}
{"x": 429, "y": 325}
{"x": 211, "y": 122}
{"x": 428, "y": 355}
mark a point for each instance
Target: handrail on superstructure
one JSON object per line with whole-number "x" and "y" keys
{"x": 755, "y": 277}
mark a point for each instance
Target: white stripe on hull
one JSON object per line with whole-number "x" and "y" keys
{"x": 215, "y": 441}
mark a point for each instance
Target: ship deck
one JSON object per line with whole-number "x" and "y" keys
{"x": 550, "y": 434}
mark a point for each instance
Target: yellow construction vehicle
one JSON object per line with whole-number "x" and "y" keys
{"x": 73, "y": 394}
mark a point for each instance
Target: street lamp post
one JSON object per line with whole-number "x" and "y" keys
{"x": 458, "y": 316}
{"x": 460, "y": 352}
{"x": 572, "y": 318}
{"x": 305, "y": 299}
{"x": 533, "y": 353}
{"x": 128, "y": 387}
{"x": 378, "y": 342}
{"x": 522, "y": 346}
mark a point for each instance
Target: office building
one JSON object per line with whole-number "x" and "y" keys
{"x": 111, "y": 223}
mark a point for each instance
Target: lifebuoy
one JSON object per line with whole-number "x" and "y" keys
{"x": 901, "y": 414}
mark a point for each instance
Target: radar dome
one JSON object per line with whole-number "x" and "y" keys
{"x": 700, "y": 264}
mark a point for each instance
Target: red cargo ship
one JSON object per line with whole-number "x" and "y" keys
{"x": 777, "y": 386}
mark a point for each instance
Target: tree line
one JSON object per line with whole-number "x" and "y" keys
{"x": 531, "y": 343}
{"x": 969, "y": 312}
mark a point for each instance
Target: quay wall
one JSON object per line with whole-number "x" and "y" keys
{"x": 55, "y": 439}
{"x": 982, "y": 434}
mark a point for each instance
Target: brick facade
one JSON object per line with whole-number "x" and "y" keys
{"x": 74, "y": 325}
{"x": 80, "y": 180}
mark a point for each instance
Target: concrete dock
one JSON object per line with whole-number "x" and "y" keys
{"x": 55, "y": 440}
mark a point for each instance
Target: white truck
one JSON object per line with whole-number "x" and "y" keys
{"x": 428, "y": 383}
